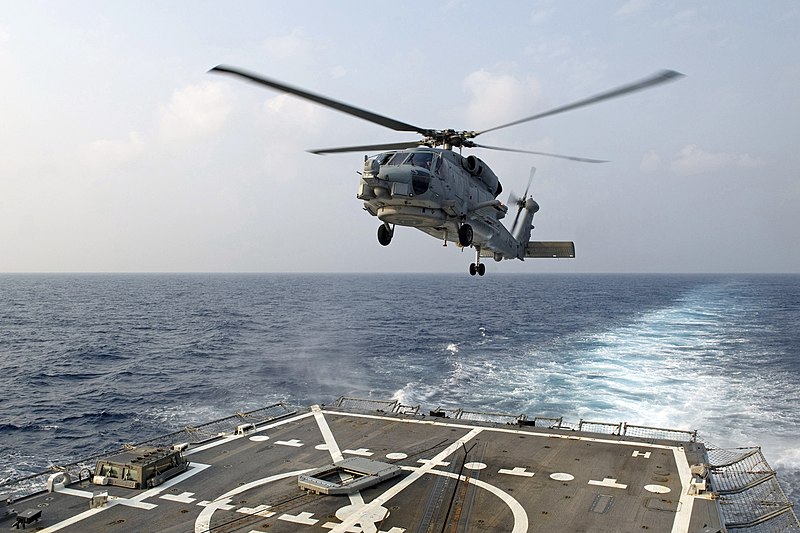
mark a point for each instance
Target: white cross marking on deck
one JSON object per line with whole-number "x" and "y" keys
{"x": 608, "y": 482}
{"x": 183, "y": 497}
{"x": 331, "y": 525}
{"x": 302, "y": 518}
{"x": 637, "y": 453}
{"x": 364, "y": 452}
{"x": 293, "y": 442}
{"x": 516, "y": 471}
{"x": 261, "y": 510}
{"x": 433, "y": 462}
{"x": 221, "y": 503}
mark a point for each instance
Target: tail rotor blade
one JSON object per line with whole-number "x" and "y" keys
{"x": 521, "y": 201}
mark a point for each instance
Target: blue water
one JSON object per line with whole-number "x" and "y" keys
{"x": 87, "y": 361}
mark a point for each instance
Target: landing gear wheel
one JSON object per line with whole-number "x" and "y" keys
{"x": 472, "y": 269}
{"x": 465, "y": 235}
{"x": 481, "y": 268}
{"x": 385, "y": 235}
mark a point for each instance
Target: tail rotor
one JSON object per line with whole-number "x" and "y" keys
{"x": 522, "y": 202}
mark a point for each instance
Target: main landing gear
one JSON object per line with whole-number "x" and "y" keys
{"x": 465, "y": 235}
{"x": 385, "y": 234}
{"x": 477, "y": 267}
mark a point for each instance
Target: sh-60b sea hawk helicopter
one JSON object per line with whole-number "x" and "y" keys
{"x": 438, "y": 191}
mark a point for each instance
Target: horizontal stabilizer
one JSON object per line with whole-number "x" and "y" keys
{"x": 550, "y": 249}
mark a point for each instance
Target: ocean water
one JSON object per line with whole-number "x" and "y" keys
{"x": 89, "y": 361}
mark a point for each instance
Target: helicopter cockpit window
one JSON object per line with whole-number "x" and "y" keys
{"x": 421, "y": 159}
{"x": 398, "y": 158}
{"x": 383, "y": 158}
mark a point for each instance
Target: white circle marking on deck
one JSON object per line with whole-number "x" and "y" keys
{"x": 561, "y": 476}
{"x": 475, "y": 466}
{"x": 657, "y": 489}
{"x": 259, "y": 438}
{"x": 396, "y": 455}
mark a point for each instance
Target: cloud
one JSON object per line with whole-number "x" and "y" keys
{"x": 542, "y": 12}
{"x": 498, "y": 98}
{"x": 195, "y": 111}
{"x": 692, "y": 160}
{"x": 651, "y": 161}
{"x": 631, "y": 8}
{"x": 106, "y": 153}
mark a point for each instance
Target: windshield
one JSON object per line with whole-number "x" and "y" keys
{"x": 421, "y": 159}
{"x": 398, "y": 158}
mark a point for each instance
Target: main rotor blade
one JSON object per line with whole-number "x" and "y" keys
{"x": 368, "y": 148}
{"x": 656, "y": 79}
{"x": 322, "y": 100}
{"x": 569, "y": 157}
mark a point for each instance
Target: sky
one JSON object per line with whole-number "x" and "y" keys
{"x": 119, "y": 152}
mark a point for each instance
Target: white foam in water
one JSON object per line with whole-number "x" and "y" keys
{"x": 687, "y": 366}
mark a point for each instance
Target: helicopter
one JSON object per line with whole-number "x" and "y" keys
{"x": 442, "y": 193}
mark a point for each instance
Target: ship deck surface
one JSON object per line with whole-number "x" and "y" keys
{"x": 456, "y": 476}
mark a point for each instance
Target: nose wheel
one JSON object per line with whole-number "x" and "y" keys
{"x": 385, "y": 234}
{"x": 465, "y": 235}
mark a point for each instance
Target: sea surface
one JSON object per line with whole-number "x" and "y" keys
{"x": 88, "y": 361}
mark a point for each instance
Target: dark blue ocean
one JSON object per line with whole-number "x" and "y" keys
{"x": 89, "y": 361}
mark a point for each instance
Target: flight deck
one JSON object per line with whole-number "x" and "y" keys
{"x": 378, "y": 466}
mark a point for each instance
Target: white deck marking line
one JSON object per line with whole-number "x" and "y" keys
{"x": 71, "y": 521}
{"x": 203, "y": 522}
{"x": 336, "y": 455}
{"x": 194, "y": 468}
{"x": 327, "y": 434}
{"x": 684, "y": 513}
{"x": 520, "y": 516}
{"x": 357, "y": 517}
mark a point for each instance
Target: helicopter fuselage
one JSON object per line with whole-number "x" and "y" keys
{"x": 437, "y": 191}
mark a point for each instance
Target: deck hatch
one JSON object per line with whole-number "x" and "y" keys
{"x": 348, "y": 476}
